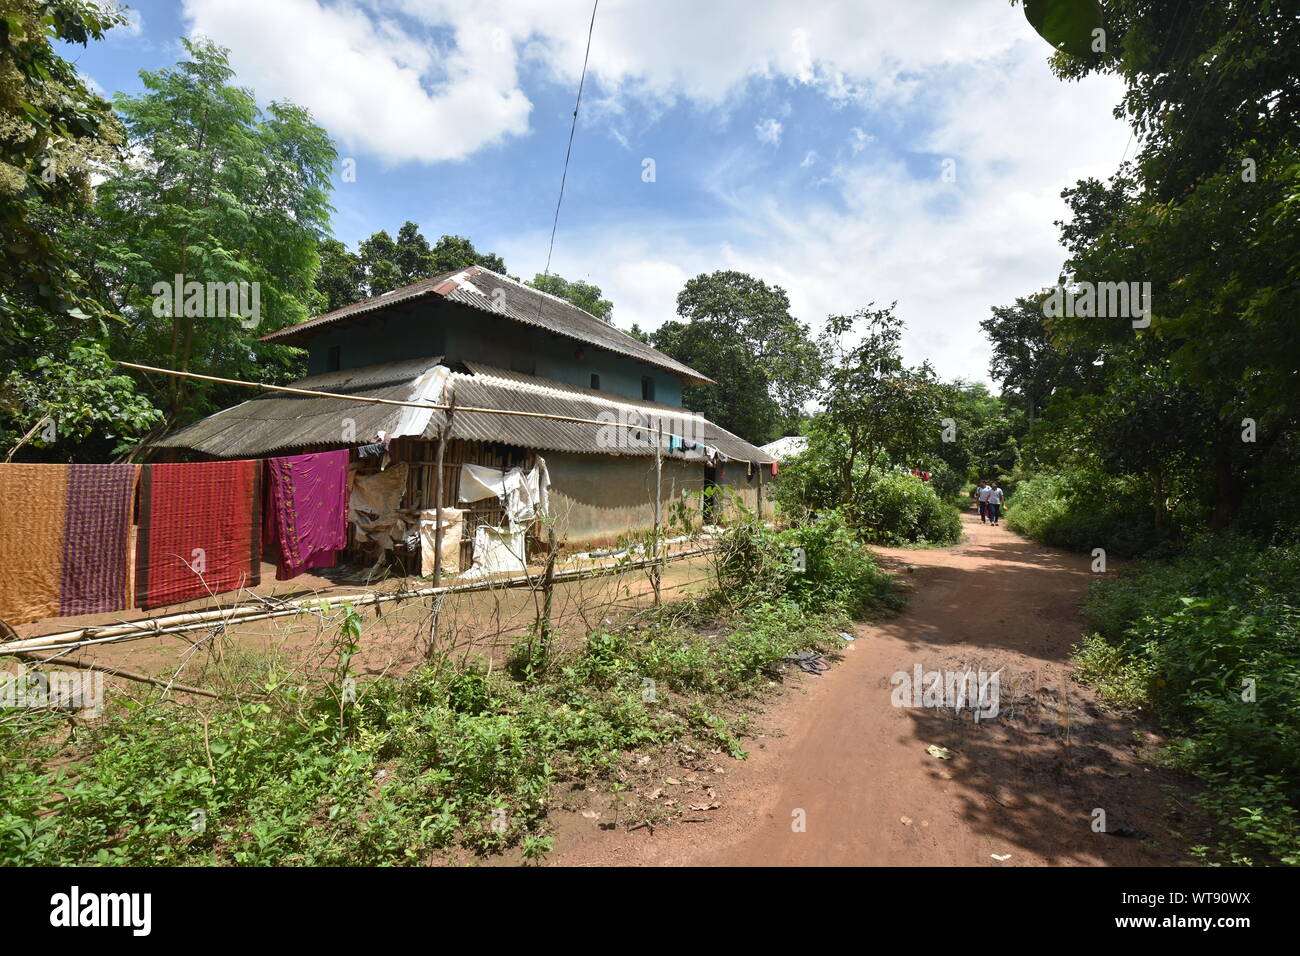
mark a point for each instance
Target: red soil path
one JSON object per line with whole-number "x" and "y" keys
{"x": 1025, "y": 784}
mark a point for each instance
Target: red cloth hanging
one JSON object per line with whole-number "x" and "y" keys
{"x": 200, "y": 530}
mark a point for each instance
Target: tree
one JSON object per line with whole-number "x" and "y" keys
{"x": 60, "y": 396}
{"x": 412, "y": 255}
{"x": 230, "y": 198}
{"x": 80, "y": 406}
{"x": 1209, "y": 215}
{"x": 378, "y": 261}
{"x": 382, "y": 264}
{"x": 982, "y": 441}
{"x": 582, "y": 294}
{"x": 886, "y": 413}
{"x": 53, "y": 133}
{"x": 453, "y": 253}
{"x": 738, "y": 331}
{"x": 1028, "y": 362}
{"x": 341, "y": 279}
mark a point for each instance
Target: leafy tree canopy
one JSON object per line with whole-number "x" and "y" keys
{"x": 53, "y": 133}
{"x": 582, "y": 294}
{"x": 738, "y": 330}
{"x": 382, "y": 263}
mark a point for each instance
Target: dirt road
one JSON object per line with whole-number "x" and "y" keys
{"x": 1019, "y": 789}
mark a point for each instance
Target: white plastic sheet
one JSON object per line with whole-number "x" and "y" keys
{"x": 497, "y": 550}
{"x": 523, "y": 495}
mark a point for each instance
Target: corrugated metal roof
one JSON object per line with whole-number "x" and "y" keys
{"x": 276, "y": 422}
{"x": 787, "y": 447}
{"x": 484, "y": 290}
{"x": 733, "y": 446}
{"x": 484, "y": 386}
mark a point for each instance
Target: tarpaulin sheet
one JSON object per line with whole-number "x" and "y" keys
{"x": 373, "y": 501}
{"x": 452, "y": 529}
{"x": 497, "y": 550}
{"x": 522, "y": 494}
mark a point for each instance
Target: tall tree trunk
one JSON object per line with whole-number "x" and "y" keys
{"x": 1227, "y": 490}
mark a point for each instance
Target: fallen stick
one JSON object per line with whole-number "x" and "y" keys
{"x": 117, "y": 672}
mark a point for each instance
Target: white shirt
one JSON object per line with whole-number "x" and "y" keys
{"x": 995, "y": 496}
{"x": 984, "y": 493}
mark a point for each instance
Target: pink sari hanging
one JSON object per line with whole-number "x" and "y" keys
{"x": 307, "y": 511}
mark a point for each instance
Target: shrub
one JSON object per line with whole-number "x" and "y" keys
{"x": 1082, "y": 511}
{"x": 1209, "y": 643}
{"x": 898, "y": 509}
{"x": 832, "y": 573}
{"x": 946, "y": 482}
{"x": 840, "y": 575}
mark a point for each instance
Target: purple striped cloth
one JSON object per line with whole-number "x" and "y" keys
{"x": 96, "y": 536}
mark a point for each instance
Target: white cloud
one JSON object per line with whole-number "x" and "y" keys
{"x": 439, "y": 79}
{"x": 134, "y": 25}
{"x": 768, "y": 131}
{"x": 809, "y": 158}
{"x": 878, "y": 232}
{"x": 431, "y": 80}
{"x": 367, "y": 80}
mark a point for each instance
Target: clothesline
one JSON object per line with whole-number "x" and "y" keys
{"x": 165, "y": 558}
{"x": 94, "y": 539}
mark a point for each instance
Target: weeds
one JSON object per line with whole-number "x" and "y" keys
{"x": 1209, "y": 644}
{"x": 380, "y": 771}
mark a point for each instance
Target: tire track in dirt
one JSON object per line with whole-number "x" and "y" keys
{"x": 1025, "y": 783}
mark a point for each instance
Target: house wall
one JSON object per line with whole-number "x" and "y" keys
{"x": 464, "y": 334}
{"x": 733, "y": 479}
{"x": 596, "y": 498}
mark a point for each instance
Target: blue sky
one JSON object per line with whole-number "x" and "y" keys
{"x": 805, "y": 142}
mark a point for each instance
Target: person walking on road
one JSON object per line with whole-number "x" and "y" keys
{"x": 982, "y": 494}
{"x": 995, "y": 504}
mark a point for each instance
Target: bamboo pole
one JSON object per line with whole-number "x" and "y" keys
{"x": 197, "y": 620}
{"x": 437, "y": 493}
{"x": 118, "y": 672}
{"x": 183, "y": 622}
{"x": 548, "y": 585}
{"x": 659, "y": 481}
{"x": 312, "y": 393}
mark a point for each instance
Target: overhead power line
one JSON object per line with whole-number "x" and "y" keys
{"x": 569, "y": 151}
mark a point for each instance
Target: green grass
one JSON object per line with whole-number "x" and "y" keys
{"x": 441, "y": 758}
{"x": 1209, "y": 644}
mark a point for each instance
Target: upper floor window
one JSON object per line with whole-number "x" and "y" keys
{"x": 595, "y": 381}
{"x": 333, "y": 358}
{"x": 648, "y": 389}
